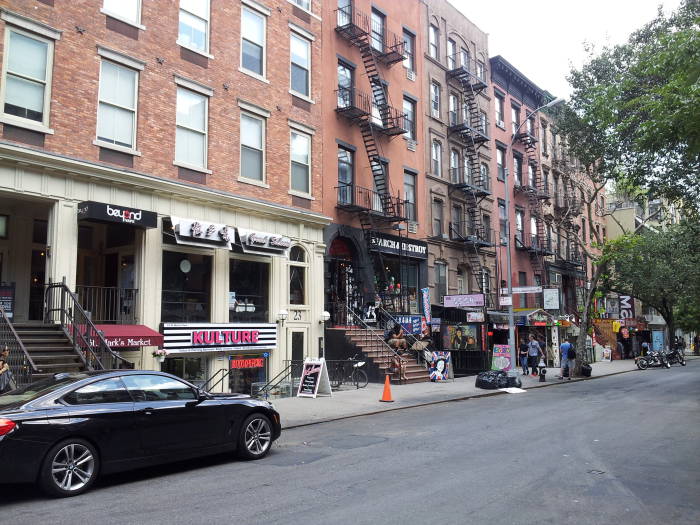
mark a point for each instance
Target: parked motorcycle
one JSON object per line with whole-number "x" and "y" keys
{"x": 676, "y": 356}
{"x": 653, "y": 358}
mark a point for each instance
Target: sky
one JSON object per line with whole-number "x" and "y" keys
{"x": 543, "y": 38}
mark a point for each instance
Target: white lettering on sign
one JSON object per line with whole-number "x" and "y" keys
{"x": 125, "y": 215}
{"x": 626, "y": 307}
{"x": 392, "y": 244}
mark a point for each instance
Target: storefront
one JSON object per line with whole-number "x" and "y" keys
{"x": 463, "y": 333}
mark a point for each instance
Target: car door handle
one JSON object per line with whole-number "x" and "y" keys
{"x": 147, "y": 411}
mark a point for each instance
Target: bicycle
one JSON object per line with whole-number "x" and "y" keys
{"x": 356, "y": 376}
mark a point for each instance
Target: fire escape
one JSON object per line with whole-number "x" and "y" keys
{"x": 376, "y": 117}
{"x": 471, "y": 129}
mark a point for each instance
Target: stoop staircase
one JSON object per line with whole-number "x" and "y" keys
{"x": 50, "y": 349}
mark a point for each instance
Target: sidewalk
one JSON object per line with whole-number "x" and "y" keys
{"x": 349, "y": 402}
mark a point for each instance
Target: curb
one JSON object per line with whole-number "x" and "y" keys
{"x": 451, "y": 400}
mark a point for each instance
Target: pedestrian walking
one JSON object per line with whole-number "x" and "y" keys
{"x": 568, "y": 359}
{"x": 534, "y": 352}
{"x": 523, "y": 356}
{"x": 7, "y": 381}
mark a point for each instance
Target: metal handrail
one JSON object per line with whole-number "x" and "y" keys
{"x": 20, "y": 362}
{"x": 220, "y": 371}
{"x": 352, "y": 195}
{"x": 88, "y": 342}
{"x": 264, "y": 392}
{"x": 391, "y": 354}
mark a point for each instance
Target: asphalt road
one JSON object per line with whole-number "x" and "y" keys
{"x": 622, "y": 449}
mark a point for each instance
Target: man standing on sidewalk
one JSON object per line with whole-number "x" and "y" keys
{"x": 533, "y": 353}
{"x": 568, "y": 359}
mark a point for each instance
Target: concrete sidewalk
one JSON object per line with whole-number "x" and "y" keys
{"x": 350, "y": 402}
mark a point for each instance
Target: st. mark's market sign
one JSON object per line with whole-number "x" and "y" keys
{"x": 206, "y": 337}
{"x": 381, "y": 242}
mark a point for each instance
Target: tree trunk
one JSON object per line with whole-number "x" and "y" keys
{"x": 581, "y": 356}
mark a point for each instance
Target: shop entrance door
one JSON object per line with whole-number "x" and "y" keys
{"x": 36, "y": 285}
{"x": 344, "y": 293}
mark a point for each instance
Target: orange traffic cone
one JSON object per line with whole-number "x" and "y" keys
{"x": 386, "y": 396}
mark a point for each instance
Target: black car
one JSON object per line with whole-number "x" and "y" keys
{"x": 64, "y": 431}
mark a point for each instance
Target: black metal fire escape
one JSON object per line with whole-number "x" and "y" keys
{"x": 471, "y": 128}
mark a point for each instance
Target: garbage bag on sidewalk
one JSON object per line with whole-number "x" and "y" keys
{"x": 586, "y": 370}
{"x": 492, "y": 379}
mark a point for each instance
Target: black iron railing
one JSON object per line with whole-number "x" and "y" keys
{"x": 356, "y": 197}
{"x": 468, "y": 130}
{"x": 361, "y": 30}
{"x": 109, "y": 304}
{"x": 358, "y": 105}
{"x": 460, "y": 175}
{"x": 21, "y": 364}
{"x": 466, "y": 231}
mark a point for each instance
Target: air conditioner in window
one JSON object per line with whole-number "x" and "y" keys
{"x": 411, "y": 144}
{"x": 444, "y": 236}
{"x": 412, "y": 227}
{"x": 501, "y": 124}
{"x": 410, "y": 74}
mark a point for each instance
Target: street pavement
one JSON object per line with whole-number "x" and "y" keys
{"x": 621, "y": 449}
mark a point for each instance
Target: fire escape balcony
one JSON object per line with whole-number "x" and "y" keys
{"x": 527, "y": 136}
{"x": 356, "y": 27}
{"x": 461, "y": 179}
{"x": 353, "y": 198}
{"x": 352, "y": 24}
{"x": 466, "y": 74}
{"x": 466, "y": 232}
{"x": 533, "y": 244}
{"x": 358, "y": 107}
{"x": 468, "y": 132}
{"x": 568, "y": 205}
{"x": 570, "y": 257}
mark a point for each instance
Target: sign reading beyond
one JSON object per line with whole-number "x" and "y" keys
{"x": 103, "y": 212}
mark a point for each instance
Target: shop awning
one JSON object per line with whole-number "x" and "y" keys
{"x": 129, "y": 335}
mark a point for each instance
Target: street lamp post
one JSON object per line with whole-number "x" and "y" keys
{"x": 509, "y": 262}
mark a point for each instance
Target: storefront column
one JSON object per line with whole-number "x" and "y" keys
{"x": 279, "y": 297}
{"x": 62, "y": 245}
{"x": 220, "y": 286}
{"x": 150, "y": 263}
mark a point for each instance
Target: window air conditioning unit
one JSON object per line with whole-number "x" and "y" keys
{"x": 412, "y": 227}
{"x": 411, "y": 144}
{"x": 444, "y": 236}
{"x": 410, "y": 74}
{"x": 501, "y": 124}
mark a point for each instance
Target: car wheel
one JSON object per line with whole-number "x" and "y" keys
{"x": 255, "y": 437}
{"x": 70, "y": 468}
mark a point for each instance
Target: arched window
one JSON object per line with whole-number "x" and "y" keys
{"x": 298, "y": 265}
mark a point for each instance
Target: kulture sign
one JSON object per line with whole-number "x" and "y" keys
{"x": 207, "y": 337}
{"x": 253, "y": 362}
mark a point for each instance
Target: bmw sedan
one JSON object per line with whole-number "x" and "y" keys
{"x": 64, "y": 431}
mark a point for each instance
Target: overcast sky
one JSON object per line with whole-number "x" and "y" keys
{"x": 543, "y": 37}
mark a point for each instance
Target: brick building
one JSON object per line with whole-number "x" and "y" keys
{"x": 164, "y": 158}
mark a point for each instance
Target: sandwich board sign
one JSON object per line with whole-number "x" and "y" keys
{"x": 314, "y": 378}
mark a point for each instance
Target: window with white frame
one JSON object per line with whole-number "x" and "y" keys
{"x": 408, "y": 50}
{"x": 191, "y": 134}
{"x": 116, "y": 111}
{"x": 436, "y": 155}
{"x": 464, "y": 57}
{"x": 253, "y": 41}
{"x": 451, "y": 54}
{"x": 300, "y": 146}
{"x": 409, "y": 189}
{"x": 304, "y": 4}
{"x": 480, "y": 70}
{"x": 433, "y": 42}
{"x": 435, "y": 99}
{"x": 126, "y": 10}
{"x": 194, "y": 25}
{"x": 501, "y": 163}
{"x": 297, "y": 275}
{"x": 437, "y": 217}
{"x": 26, "y": 68}
{"x": 409, "y": 111}
{"x": 500, "y": 113}
{"x": 300, "y": 51}
{"x": 377, "y": 23}
{"x": 454, "y": 166}
{"x": 252, "y": 147}
{"x": 452, "y": 109}
{"x": 440, "y": 280}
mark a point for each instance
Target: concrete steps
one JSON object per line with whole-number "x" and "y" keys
{"x": 49, "y": 348}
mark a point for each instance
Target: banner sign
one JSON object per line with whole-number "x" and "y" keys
{"x": 103, "y": 212}
{"x": 454, "y": 301}
{"x": 314, "y": 378}
{"x": 381, "y": 242}
{"x": 205, "y": 337}
{"x": 522, "y": 289}
{"x": 551, "y": 298}
{"x": 439, "y": 366}
{"x": 7, "y": 299}
{"x": 425, "y": 292}
{"x": 501, "y": 358}
{"x": 411, "y": 323}
{"x": 626, "y": 307}
{"x": 475, "y": 317}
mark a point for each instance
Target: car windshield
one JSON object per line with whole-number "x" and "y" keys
{"x": 37, "y": 389}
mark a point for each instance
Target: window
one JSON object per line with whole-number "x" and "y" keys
{"x": 194, "y": 25}
{"x": 465, "y": 58}
{"x": 126, "y": 10}
{"x": 409, "y": 189}
{"x": 105, "y": 391}
{"x": 252, "y": 42}
{"x": 454, "y": 165}
{"x": 116, "y": 112}
{"x": 191, "y": 136}
{"x": 519, "y": 224}
{"x": 451, "y": 54}
{"x": 545, "y": 181}
{"x": 300, "y": 51}
{"x": 147, "y": 387}
{"x": 533, "y": 230}
{"x": 500, "y": 116}
{"x": 501, "y": 163}
{"x": 515, "y": 117}
{"x": 457, "y": 222}
{"x": 484, "y": 171}
{"x": 530, "y": 126}
{"x": 433, "y": 42}
{"x": 345, "y": 175}
{"x": 480, "y": 71}
{"x": 186, "y": 287}
{"x": 249, "y": 283}
{"x": 409, "y": 111}
{"x": 452, "y": 109}
{"x": 437, "y": 217}
{"x": 304, "y": 4}
{"x": 440, "y": 280}
{"x": 545, "y": 150}
{"x": 487, "y": 227}
{"x": 483, "y": 123}
{"x": 377, "y": 30}
{"x": 26, "y": 74}
{"x": 503, "y": 220}
{"x": 344, "y": 12}
{"x": 522, "y": 281}
{"x": 518, "y": 168}
{"x": 408, "y": 51}
{"x": 301, "y": 162}
{"x": 461, "y": 282}
{"x": 252, "y": 147}
{"x": 297, "y": 275}
{"x": 345, "y": 83}
{"x": 583, "y": 229}
{"x": 436, "y": 155}
{"x": 435, "y": 99}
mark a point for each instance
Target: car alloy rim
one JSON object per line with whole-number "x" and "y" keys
{"x": 72, "y": 467}
{"x": 257, "y": 436}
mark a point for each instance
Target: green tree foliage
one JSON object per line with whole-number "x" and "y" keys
{"x": 635, "y": 109}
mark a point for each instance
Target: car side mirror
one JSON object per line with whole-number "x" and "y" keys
{"x": 202, "y": 395}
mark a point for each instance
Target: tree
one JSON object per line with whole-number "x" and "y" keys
{"x": 638, "y": 106}
{"x": 659, "y": 267}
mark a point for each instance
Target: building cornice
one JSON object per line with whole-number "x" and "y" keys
{"x": 109, "y": 174}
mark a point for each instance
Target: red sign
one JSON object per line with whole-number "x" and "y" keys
{"x": 221, "y": 337}
{"x": 253, "y": 362}
{"x": 540, "y": 323}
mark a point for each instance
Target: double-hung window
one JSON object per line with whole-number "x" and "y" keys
{"x": 300, "y": 146}
{"x": 300, "y": 51}
{"x": 252, "y": 147}
{"x": 304, "y": 4}
{"x": 408, "y": 51}
{"x": 437, "y": 217}
{"x": 433, "y": 33}
{"x": 451, "y": 54}
{"x": 409, "y": 111}
{"x": 452, "y": 109}
{"x": 27, "y": 70}
{"x": 465, "y": 58}
{"x": 126, "y": 10}
{"x": 518, "y": 169}
{"x": 191, "y": 134}
{"x": 194, "y": 25}
{"x": 116, "y": 112}
{"x": 454, "y": 166}
{"x": 345, "y": 175}
{"x": 346, "y": 96}
{"x": 519, "y": 225}
{"x": 437, "y": 158}
{"x": 435, "y": 99}
{"x": 502, "y": 221}
{"x": 440, "y": 280}
{"x": 500, "y": 116}
{"x": 409, "y": 188}
{"x": 515, "y": 117}
{"x": 501, "y": 163}
{"x": 377, "y": 30}
{"x": 253, "y": 41}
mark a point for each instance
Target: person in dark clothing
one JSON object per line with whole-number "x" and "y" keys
{"x": 523, "y": 356}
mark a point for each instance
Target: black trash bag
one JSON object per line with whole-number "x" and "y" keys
{"x": 586, "y": 370}
{"x": 492, "y": 379}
